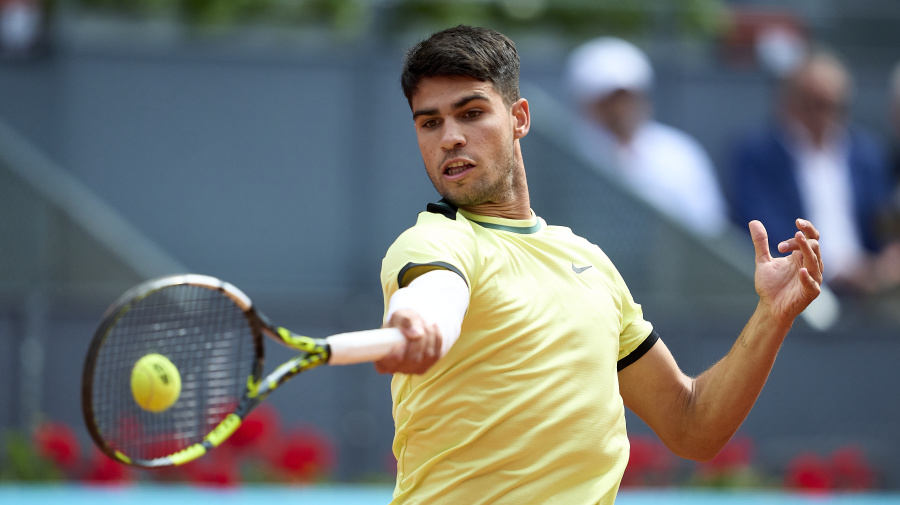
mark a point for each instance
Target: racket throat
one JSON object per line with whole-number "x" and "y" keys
{"x": 218, "y": 435}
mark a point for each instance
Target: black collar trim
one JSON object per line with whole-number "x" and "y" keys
{"x": 443, "y": 207}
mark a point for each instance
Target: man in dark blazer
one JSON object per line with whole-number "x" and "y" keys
{"x": 810, "y": 162}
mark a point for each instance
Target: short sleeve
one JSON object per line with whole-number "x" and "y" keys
{"x": 435, "y": 242}
{"x": 637, "y": 334}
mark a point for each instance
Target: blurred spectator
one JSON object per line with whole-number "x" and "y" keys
{"x": 894, "y": 119}
{"x": 890, "y": 225}
{"x": 20, "y": 27}
{"x": 611, "y": 80}
{"x": 811, "y": 163}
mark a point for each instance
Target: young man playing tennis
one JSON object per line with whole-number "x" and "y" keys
{"x": 523, "y": 341}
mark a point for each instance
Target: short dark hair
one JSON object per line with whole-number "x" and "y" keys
{"x": 482, "y": 53}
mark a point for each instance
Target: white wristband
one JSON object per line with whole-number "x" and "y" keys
{"x": 441, "y": 297}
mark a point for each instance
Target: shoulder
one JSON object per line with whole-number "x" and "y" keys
{"x": 865, "y": 142}
{"x": 440, "y": 239}
{"x": 673, "y": 142}
{"x": 762, "y": 149}
{"x": 869, "y": 167}
{"x": 660, "y": 132}
{"x": 437, "y": 224}
{"x": 766, "y": 137}
{"x": 565, "y": 238}
{"x": 666, "y": 132}
{"x": 566, "y": 234}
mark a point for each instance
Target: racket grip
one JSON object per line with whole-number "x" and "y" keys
{"x": 363, "y": 346}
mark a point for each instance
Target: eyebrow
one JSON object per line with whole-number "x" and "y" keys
{"x": 455, "y": 106}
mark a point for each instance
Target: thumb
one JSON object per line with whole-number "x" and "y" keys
{"x": 760, "y": 242}
{"x": 412, "y": 327}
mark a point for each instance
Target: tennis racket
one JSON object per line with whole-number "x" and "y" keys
{"x": 213, "y": 335}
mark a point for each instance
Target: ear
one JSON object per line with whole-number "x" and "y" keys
{"x": 522, "y": 118}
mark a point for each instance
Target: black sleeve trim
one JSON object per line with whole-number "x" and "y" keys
{"x": 640, "y": 351}
{"x": 434, "y": 265}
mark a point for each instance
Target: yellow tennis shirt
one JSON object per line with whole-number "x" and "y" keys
{"x": 525, "y": 407}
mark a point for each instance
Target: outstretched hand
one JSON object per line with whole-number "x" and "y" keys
{"x": 787, "y": 285}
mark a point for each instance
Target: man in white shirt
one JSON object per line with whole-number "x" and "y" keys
{"x": 610, "y": 79}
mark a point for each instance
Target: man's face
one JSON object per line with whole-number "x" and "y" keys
{"x": 467, "y": 136}
{"x": 819, "y": 100}
{"x": 622, "y": 112}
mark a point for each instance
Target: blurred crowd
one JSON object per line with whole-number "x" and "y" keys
{"x": 809, "y": 160}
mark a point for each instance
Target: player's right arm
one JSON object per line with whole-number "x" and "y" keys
{"x": 425, "y": 278}
{"x": 429, "y": 312}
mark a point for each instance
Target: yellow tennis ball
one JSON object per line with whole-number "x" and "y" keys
{"x": 155, "y": 383}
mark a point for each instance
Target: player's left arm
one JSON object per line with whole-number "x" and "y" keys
{"x": 696, "y": 417}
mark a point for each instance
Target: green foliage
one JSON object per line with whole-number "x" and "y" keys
{"x": 737, "y": 478}
{"x": 20, "y": 461}
{"x": 576, "y": 18}
{"x": 206, "y": 13}
{"x": 703, "y": 17}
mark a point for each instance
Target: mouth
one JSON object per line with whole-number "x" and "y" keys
{"x": 457, "y": 169}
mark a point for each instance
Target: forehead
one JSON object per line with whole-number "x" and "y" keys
{"x": 439, "y": 92}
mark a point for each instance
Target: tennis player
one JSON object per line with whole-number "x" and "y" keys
{"x": 524, "y": 344}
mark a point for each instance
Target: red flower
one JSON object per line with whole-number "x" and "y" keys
{"x": 219, "y": 469}
{"x": 846, "y": 469}
{"x": 129, "y": 427}
{"x": 809, "y": 472}
{"x": 649, "y": 463}
{"x": 851, "y": 469}
{"x": 305, "y": 456}
{"x": 104, "y": 470}
{"x": 57, "y": 443}
{"x": 389, "y": 463}
{"x": 736, "y": 455}
{"x": 260, "y": 427}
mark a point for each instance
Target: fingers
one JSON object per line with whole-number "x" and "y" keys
{"x": 811, "y": 258}
{"x": 812, "y": 234}
{"x": 811, "y": 262}
{"x": 811, "y": 286}
{"x": 808, "y": 229}
{"x": 760, "y": 241}
{"x": 422, "y": 349}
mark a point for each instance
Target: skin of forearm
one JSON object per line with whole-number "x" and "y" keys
{"x": 721, "y": 398}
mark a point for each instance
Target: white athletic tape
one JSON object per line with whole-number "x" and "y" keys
{"x": 363, "y": 346}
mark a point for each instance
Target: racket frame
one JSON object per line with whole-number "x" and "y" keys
{"x": 315, "y": 352}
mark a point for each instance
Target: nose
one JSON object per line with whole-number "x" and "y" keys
{"x": 452, "y": 136}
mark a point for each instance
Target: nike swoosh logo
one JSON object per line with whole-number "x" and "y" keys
{"x": 578, "y": 270}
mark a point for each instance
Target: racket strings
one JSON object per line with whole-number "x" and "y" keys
{"x": 206, "y": 336}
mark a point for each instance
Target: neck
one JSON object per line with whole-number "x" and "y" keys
{"x": 816, "y": 138}
{"x": 623, "y": 136}
{"x": 515, "y": 205}
{"x": 519, "y": 209}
